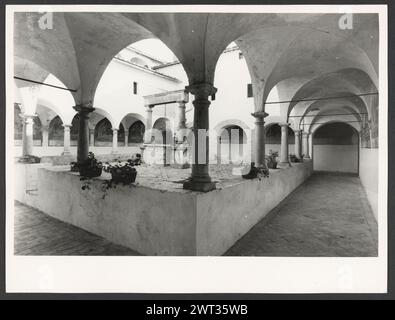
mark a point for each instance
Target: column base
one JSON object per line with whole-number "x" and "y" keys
{"x": 283, "y": 165}
{"x": 66, "y": 153}
{"x": 308, "y": 157}
{"x": 199, "y": 186}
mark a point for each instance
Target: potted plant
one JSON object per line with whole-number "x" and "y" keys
{"x": 272, "y": 159}
{"x": 294, "y": 158}
{"x": 122, "y": 173}
{"x": 90, "y": 168}
{"x": 256, "y": 172}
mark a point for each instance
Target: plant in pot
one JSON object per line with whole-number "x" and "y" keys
{"x": 271, "y": 159}
{"x": 294, "y": 158}
{"x": 90, "y": 168}
{"x": 122, "y": 173}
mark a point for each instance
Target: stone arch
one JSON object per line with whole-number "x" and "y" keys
{"x": 56, "y": 132}
{"x": 136, "y": 132}
{"x": 164, "y": 126}
{"x": 103, "y": 133}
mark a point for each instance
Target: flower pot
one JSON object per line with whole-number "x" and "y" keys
{"x": 272, "y": 165}
{"x": 125, "y": 178}
{"x": 90, "y": 172}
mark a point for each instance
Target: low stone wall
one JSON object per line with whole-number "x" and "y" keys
{"x": 158, "y": 222}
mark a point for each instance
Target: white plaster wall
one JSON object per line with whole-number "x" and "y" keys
{"x": 115, "y": 90}
{"x": 231, "y": 102}
{"x": 150, "y": 221}
{"x": 336, "y": 158}
{"x": 368, "y": 173}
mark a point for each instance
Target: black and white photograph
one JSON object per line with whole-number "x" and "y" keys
{"x": 190, "y": 144}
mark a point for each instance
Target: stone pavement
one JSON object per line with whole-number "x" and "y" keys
{"x": 327, "y": 216}
{"x": 39, "y": 234}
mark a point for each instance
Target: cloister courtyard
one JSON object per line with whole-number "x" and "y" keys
{"x": 236, "y": 134}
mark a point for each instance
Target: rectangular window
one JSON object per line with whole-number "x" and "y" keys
{"x": 134, "y": 87}
{"x": 241, "y": 55}
{"x": 249, "y": 90}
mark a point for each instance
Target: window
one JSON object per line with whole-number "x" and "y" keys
{"x": 249, "y": 90}
{"x": 213, "y": 97}
{"x": 134, "y": 87}
{"x": 241, "y": 55}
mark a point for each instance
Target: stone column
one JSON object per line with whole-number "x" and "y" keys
{"x": 181, "y": 120}
{"x": 284, "y": 156}
{"x": 260, "y": 138}
{"x": 45, "y": 142}
{"x": 126, "y": 138}
{"x": 91, "y": 137}
{"x": 306, "y": 145}
{"x": 66, "y": 141}
{"x": 311, "y": 146}
{"x": 114, "y": 140}
{"x": 297, "y": 144}
{"x": 83, "y": 132}
{"x": 28, "y": 135}
{"x": 148, "y": 128}
{"x": 200, "y": 179}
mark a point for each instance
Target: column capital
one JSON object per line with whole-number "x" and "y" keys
{"x": 201, "y": 90}
{"x": 259, "y": 114}
{"x": 84, "y": 108}
{"x": 306, "y": 134}
{"x": 283, "y": 124}
{"x": 67, "y": 126}
{"x": 114, "y": 129}
{"x": 297, "y": 131}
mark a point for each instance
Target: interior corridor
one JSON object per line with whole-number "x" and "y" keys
{"x": 328, "y": 215}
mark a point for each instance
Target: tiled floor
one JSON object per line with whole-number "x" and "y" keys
{"x": 39, "y": 234}
{"x": 327, "y": 216}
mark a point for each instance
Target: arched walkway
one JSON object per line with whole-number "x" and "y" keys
{"x": 327, "y": 216}
{"x": 336, "y": 148}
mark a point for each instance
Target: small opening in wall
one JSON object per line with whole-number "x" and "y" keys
{"x": 134, "y": 87}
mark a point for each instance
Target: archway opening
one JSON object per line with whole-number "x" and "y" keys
{"x": 136, "y": 132}
{"x": 273, "y": 139}
{"x": 103, "y": 133}
{"x": 231, "y": 144}
{"x": 56, "y": 132}
{"x": 336, "y": 148}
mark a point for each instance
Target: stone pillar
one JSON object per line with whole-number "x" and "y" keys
{"x": 200, "y": 179}
{"x": 45, "y": 142}
{"x": 148, "y": 128}
{"x": 311, "y": 146}
{"x": 83, "y": 132}
{"x": 66, "y": 141}
{"x": 284, "y": 155}
{"x": 297, "y": 144}
{"x": 114, "y": 140}
{"x": 306, "y": 145}
{"x": 126, "y": 138}
{"x": 28, "y": 135}
{"x": 260, "y": 138}
{"x": 91, "y": 137}
{"x": 181, "y": 120}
